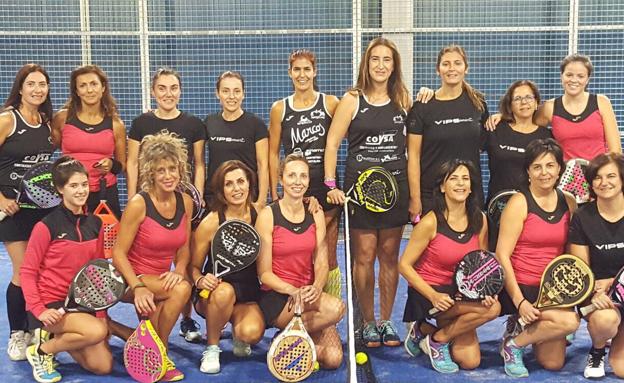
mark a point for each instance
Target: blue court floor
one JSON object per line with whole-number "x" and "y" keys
{"x": 389, "y": 364}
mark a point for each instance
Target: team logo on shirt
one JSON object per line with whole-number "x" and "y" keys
{"x": 21, "y": 131}
{"x": 289, "y": 118}
{"x": 61, "y": 236}
{"x": 363, "y": 110}
{"x": 169, "y": 225}
{"x": 398, "y": 119}
{"x": 382, "y": 138}
{"x": 307, "y": 134}
{"x": 317, "y": 114}
{"x": 296, "y": 229}
{"x": 460, "y": 236}
{"x": 550, "y": 217}
{"x": 36, "y": 158}
{"x": 453, "y": 121}
{"x": 228, "y": 139}
{"x": 303, "y": 120}
{"x": 89, "y": 128}
{"x": 511, "y": 148}
{"x": 610, "y": 246}
{"x": 576, "y": 118}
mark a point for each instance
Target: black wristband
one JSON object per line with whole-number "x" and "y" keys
{"x": 116, "y": 168}
{"x": 520, "y": 304}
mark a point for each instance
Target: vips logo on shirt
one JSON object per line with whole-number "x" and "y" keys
{"x": 228, "y": 139}
{"x": 511, "y": 148}
{"x": 610, "y": 246}
{"x": 307, "y": 134}
{"x": 453, "y": 121}
{"x": 317, "y": 114}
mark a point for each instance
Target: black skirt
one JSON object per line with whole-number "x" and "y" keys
{"x": 417, "y": 306}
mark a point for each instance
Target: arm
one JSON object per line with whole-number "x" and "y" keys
{"x": 199, "y": 178}
{"x": 421, "y": 235}
{"x": 337, "y": 131}
{"x": 483, "y": 234}
{"x": 414, "y": 145}
{"x": 7, "y": 122}
{"x": 200, "y": 246}
{"x": 275, "y": 135}
{"x": 262, "y": 159}
{"x": 264, "y": 226}
{"x": 612, "y": 135}
{"x": 58, "y": 121}
{"x": 105, "y": 165}
{"x": 132, "y": 168}
{"x": 544, "y": 114}
{"x": 36, "y": 250}
{"x": 321, "y": 265}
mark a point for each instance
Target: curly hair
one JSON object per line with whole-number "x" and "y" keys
{"x": 158, "y": 147}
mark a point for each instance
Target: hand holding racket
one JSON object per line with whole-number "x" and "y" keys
{"x": 292, "y": 354}
{"x": 477, "y": 276}
{"x": 615, "y": 293}
{"x": 234, "y": 247}
{"x": 573, "y": 180}
{"x": 97, "y": 286}
{"x": 566, "y": 282}
{"x": 375, "y": 189}
{"x": 145, "y": 354}
{"x": 35, "y": 190}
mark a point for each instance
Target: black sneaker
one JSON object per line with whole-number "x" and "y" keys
{"x": 595, "y": 364}
{"x": 189, "y": 329}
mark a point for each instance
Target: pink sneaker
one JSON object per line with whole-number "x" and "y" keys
{"x": 172, "y": 374}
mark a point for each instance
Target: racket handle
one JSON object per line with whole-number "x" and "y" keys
{"x": 587, "y": 309}
{"x": 3, "y": 215}
{"x": 204, "y": 293}
{"x": 62, "y": 311}
{"x": 522, "y": 323}
{"x": 433, "y": 311}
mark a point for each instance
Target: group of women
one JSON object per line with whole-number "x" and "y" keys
{"x": 432, "y": 151}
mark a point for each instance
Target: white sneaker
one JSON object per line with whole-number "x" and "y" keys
{"x": 17, "y": 346}
{"x": 595, "y": 364}
{"x": 210, "y": 360}
{"x": 240, "y": 348}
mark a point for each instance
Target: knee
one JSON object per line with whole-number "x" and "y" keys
{"x": 223, "y": 295}
{"x": 336, "y": 309}
{"x": 103, "y": 365}
{"x": 470, "y": 363}
{"x": 605, "y": 321}
{"x": 553, "y": 363}
{"x": 568, "y": 322}
{"x": 182, "y": 291}
{"x": 492, "y": 312}
{"x": 250, "y": 333}
{"x": 97, "y": 331}
{"x": 331, "y": 358}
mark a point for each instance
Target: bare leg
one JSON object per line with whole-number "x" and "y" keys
{"x": 218, "y": 310}
{"x": 364, "y": 246}
{"x": 388, "y": 251}
{"x": 247, "y": 322}
{"x": 331, "y": 223}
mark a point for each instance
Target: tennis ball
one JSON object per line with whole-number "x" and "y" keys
{"x": 317, "y": 366}
{"x": 361, "y": 358}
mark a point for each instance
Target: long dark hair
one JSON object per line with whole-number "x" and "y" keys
{"x": 108, "y": 104}
{"x": 475, "y": 216}
{"x": 219, "y": 203}
{"x": 15, "y": 98}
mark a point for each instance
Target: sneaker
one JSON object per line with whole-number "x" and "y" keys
{"x": 512, "y": 356}
{"x": 414, "y": 336}
{"x": 439, "y": 355}
{"x": 370, "y": 335}
{"x": 172, "y": 374}
{"x": 38, "y": 337}
{"x": 17, "y": 346}
{"x": 43, "y": 371}
{"x": 389, "y": 333}
{"x": 595, "y": 364}
{"x": 189, "y": 329}
{"x": 240, "y": 348}
{"x": 570, "y": 338}
{"x": 210, "y": 360}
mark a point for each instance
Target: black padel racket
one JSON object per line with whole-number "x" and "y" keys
{"x": 35, "y": 190}
{"x": 198, "y": 209}
{"x": 235, "y": 246}
{"x": 375, "y": 189}
{"x": 477, "y": 276}
{"x": 616, "y": 293}
{"x": 497, "y": 205}
{"x": 566, "y": 282}
{"x": 573, "y": 179}
{"x": 97, "y": 286}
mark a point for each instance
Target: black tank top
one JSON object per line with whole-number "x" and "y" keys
{"x": 25, "y": 146}
{"x": 248, "y": 275}
{"x": 376, "y": 138}
{"x": 305, "y": 131}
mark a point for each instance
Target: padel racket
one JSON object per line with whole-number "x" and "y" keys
{"x": 198, "y": 209}
{"x": 573, "y": 180}
{"x": 497, "y": 205}
{"x": 235, "y": 246}
{"x": 35, "y": 190}
{"x": 110, "y": 223}
{"x": 477, "y": 276}
{"x": 616, "y": 293}
{"x": 375, "y": 189}
{"x": 97, "y": 286}
{"x": 292, "y": 354}
{"x": 566, "y": 282}
{"x": 145, "y": 354}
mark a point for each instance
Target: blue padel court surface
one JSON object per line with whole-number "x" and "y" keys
{"x": 389, "y": 364}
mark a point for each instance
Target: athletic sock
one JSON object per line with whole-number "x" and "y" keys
{"x": 16, "y": 308}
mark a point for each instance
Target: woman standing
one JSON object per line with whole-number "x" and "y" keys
{"x": 300, "y": 123}
{"x": 372, "y": 116}
{"x": 533, "y": 231}
{"x": 167, "y": 90}
{"x": 235, "y": 134}
{"x": 89, "y": 129}
{"x": 455, "y": 227}
{"x": 449, "y": 126}
{"x": 154, "y": 230}
{"x": 234, "y": 297}
{"x": 292, "y": 265}
{"x": 60, "y": 244}
{"x": 24, "y": 141}
{"x": 596, "y": 235}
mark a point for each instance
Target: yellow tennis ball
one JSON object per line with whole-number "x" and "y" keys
{"x": 317, "y": 366}
{"x": 361, "y": 358}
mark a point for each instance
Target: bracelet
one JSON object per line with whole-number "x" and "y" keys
{"x": 520, "y": 304}
{"x": 140, "y": 284}
{"x": 199, "y": 279}
{"x": 330, "y": 183}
